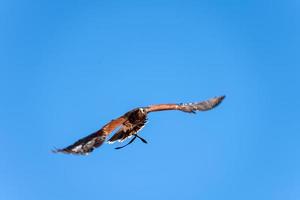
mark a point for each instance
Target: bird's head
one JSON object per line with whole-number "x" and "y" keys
{"x": 142, "y": 110}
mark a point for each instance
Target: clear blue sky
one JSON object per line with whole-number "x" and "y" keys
{"x": 68, "y": 67}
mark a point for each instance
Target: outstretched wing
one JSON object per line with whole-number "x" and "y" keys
{"x": 127, "y": 130}
{"x": 87, "y": 144}
{"x": 188, "y": 107}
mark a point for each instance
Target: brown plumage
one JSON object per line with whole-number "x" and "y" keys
{"x": 131, "y": 123}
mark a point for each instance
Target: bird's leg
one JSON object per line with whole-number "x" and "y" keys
{"x": 127, "y": 143}
{"x": 143, "y": 140}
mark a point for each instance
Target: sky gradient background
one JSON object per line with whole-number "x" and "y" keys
{"x": 69, "y": 67}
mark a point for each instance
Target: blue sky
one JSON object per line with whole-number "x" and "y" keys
{"x": 68, "y": 67}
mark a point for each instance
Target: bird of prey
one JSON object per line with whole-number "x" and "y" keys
{"x": 130, "y": 124}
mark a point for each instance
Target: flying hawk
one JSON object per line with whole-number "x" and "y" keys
{"x": 130, "y": 124}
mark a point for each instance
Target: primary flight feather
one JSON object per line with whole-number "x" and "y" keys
{"x": 130, "y": 124}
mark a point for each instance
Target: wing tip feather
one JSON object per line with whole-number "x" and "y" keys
{"x": 214, "y": 102}
{"x": 219, "y": 100}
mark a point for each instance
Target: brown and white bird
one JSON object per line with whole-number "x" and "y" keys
{"x": 130, "y": 124}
